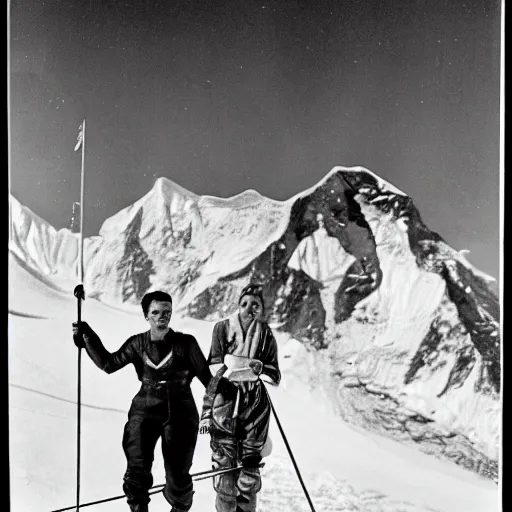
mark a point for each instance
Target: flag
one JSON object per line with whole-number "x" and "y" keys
{"x": 80, "y": 137}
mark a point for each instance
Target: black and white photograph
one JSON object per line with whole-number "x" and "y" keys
{"x": 255, "y": 255}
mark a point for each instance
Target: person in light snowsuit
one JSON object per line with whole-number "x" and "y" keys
{"x": 236, "y": 409}
{"x": 166, "y": 361}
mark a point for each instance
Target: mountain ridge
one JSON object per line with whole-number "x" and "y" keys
{"x": 348, "y": 267}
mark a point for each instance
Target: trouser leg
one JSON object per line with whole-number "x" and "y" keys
{"x": 178, "y": 445}
{"x": 248, "y": 484}
{"x": 252, "y": 434}
{"x": 139, "y": 440}
{"x": 224, "y": 456}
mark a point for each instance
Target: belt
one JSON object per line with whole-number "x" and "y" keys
{"x": 239, "y": 368}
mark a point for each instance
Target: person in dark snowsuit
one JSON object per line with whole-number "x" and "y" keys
{"x": 166, "y": 361}
{"x": 236, "y": 409}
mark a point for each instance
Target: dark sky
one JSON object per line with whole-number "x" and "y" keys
{"x": 270, "y": 95}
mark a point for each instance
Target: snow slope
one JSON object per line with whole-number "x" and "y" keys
{"x": 344, "y": 468}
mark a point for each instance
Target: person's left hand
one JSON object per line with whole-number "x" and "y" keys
{"x": 204, "y": 426}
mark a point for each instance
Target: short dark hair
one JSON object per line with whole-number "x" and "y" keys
{"x": 151, "y": 296}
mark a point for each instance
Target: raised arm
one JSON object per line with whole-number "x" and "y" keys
{"x": 102, "y": 358}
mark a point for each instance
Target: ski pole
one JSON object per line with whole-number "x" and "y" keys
{"x": 202, "y": 475}
{"x": 79, "y": 294}
{"x": 209, "y": 474}
{"x": 290, "y": 451}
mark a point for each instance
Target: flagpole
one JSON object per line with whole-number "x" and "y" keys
{"x": 80, "y": 295}
{"x": 82, "y": 180}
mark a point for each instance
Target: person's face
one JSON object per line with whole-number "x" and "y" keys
{"x": 159, "y": 314}
{"x": 250, "y": 308}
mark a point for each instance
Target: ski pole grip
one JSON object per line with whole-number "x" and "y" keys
{"x": 80, "y": 295}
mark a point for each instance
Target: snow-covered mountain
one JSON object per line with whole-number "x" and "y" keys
{"x": 401, "y": 332}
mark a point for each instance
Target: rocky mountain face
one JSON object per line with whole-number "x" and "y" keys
{"x": 399, "y": 328}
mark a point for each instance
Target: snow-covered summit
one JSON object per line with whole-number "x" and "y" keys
{"x": 164, "y": 199}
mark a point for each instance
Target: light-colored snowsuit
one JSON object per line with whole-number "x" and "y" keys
{"x": 239, "y": 412}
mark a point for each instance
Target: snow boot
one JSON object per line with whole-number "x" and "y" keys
{"x": 246, "y": 503}
{"x": 225, "y": 503}
{"x": 174, "y": 509}
{"x": 139, "y": 507}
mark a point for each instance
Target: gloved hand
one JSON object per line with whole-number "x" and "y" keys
{"x": 79, "y": 330}
{"x": 257, "y": 366}
{"x": 204, "y": 426}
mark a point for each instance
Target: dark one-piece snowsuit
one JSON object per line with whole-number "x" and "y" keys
{"x": 164, "y": 407}
{"x": 239, "y": 411}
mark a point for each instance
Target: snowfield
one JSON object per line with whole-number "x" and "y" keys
{"x": 345, "y": 468}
